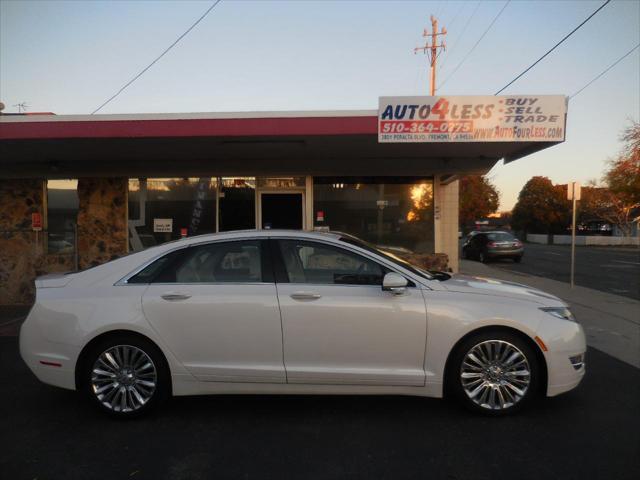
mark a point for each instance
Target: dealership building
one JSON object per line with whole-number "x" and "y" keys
{"x": 76, "y": 191}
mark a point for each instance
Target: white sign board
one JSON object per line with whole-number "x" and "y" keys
{"x": 573, "y": 189}
{"x": 162, "y": 225}
{"x": 510, "y": 118}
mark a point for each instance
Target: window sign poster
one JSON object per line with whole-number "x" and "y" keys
{"x": 162, "y": 225}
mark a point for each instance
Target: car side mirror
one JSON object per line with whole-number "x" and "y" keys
{"x": 394, "y": 283}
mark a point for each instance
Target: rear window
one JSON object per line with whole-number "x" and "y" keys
{"x": 501, "y": 237}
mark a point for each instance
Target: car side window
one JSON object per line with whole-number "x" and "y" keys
{"x": 317, "y": 263}
{"x": 151, "y": 271}
{"x": 220, "y": 262}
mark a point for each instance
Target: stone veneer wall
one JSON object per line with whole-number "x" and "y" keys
{"x": 22, "y": 259}
{"x": 102, "y": 232}
{"x": 429, "y": 261}
{"x": 102, "y": 220}
{"x": 19, "y": 254}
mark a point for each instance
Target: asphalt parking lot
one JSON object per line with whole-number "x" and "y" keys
{"x": 609, "y": 269}
{"x": 592, "y": 432}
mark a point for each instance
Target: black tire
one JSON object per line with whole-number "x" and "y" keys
{"x": 454, "y": 382}
{"x": 161, "y": 378}
{"x": 517, "y": 259}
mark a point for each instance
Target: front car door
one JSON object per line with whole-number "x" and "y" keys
{"x": 339, "y": 326}
{"x": 215, "y": 306}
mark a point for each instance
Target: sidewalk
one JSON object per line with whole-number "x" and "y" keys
{"x": 611, "y": 322}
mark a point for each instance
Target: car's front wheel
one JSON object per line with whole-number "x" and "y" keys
{"x": 494, "y": 372}
{"x": 126, "y": 376}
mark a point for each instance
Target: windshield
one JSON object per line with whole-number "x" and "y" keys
{"x": 386, "y": 254}
{"x": 501, "y": 237}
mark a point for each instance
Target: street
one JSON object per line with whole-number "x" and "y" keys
{"x": 591, "y": 432}
{"x": 609, "y": 269}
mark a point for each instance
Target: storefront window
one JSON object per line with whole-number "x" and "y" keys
{"x": 62, "y": 214}
{"x": 281, "y": 182}
{"x": 396, "y": 213}
{"x": 164, "y": 209}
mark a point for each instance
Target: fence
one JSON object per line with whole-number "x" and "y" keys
{"x": 583, "y": 240}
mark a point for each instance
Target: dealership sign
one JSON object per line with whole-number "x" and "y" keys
{"x": 510, "y": 118}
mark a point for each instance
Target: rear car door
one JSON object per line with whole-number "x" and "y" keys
{"x": 339, "y": 326}
{"x": 215, "y": 306}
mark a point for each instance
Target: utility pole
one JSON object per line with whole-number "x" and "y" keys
{"x": 432, "y": 50}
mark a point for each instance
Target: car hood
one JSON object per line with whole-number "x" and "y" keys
{"x": 500, "y": 288}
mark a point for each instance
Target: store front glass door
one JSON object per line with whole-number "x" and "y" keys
{"x": 237, "y": 203}
{"x": 281, "y": 210}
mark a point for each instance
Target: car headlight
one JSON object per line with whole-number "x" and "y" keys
{"x": 562, "y": 313}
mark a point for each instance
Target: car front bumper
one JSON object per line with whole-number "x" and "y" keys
{"x": 565, "y": 356}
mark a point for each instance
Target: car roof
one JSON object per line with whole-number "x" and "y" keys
{"x": 319, "y": 235}
{"x": 492, "y": 231}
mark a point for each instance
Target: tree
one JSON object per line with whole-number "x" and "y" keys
{"x": 478, "y": 198}
{"x": 603, "y": 204}
{"x": 617, "y": 200}
{"x": 623, "y": 181}
{"x": 542, "y": 207}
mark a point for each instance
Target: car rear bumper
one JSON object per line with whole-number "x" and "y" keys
{"x": 497, "y": 253}
{"x": 51, "y": 362}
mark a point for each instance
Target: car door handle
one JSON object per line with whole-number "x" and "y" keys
{"x": 305, "y": 296}
{"x": 174, "y": 296}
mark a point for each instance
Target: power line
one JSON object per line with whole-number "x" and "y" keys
{"x": 159, "y": 57}
{"x": 464, "y": 29}
{"x": 554, "y": 47}
{"x": 606, "y": 70}
{"x": 440, "y": 5}
{"x": 476, "y": 44}
{"x": 457, "y": 14}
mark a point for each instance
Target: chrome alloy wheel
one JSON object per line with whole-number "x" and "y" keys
{"x": 123, "y": 378}
{"x": 495, "y": 374}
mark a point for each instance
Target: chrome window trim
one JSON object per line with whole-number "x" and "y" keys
{"x": 334, "y": 243}
{"x": 204, "y": 283}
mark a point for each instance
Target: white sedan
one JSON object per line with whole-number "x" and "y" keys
{"x": 290, "y": 312}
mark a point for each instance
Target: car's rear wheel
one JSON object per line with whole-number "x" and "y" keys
{"x": 496, "y": 373}
{"x": 126, "y": 376}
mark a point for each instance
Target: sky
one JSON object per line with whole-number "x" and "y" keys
{"x": 68, "y": 57}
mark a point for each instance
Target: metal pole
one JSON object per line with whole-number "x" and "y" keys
{"x": 573, "y": 234}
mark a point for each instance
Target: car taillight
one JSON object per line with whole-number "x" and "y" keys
{"x": 491, "y": 244}
{"x": 518, "y": 244}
